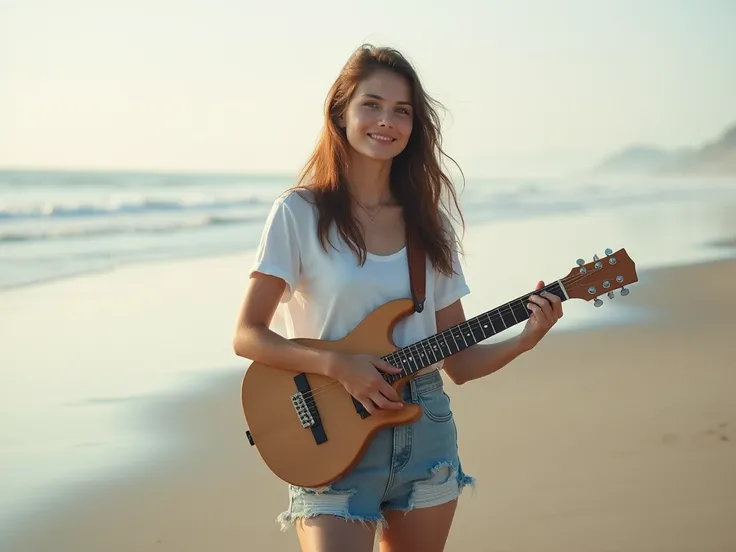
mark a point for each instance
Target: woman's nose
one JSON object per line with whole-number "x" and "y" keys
{"x": 385, "y": 119}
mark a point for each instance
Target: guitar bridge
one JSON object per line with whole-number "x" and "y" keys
{"x": 302, "y": 410}
{"x": 307, "y": 412}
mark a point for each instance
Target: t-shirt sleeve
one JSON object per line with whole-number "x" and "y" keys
{"x": 448, "y": 289}
{"x": 278, "y": 251}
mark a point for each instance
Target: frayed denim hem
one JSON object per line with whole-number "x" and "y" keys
{"x": 309, "y": 503}
{"x": 446, "y": 483}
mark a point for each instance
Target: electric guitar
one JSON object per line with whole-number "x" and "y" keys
{"x": 310, "y": 431}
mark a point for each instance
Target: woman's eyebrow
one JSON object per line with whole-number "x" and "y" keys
{"x": 377, "y": 97}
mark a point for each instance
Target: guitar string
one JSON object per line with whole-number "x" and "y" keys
{"x": 495, "y": 314}
{"x": 475, "y": 324}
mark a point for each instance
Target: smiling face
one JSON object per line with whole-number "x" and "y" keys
{"x": 378, "y": 120}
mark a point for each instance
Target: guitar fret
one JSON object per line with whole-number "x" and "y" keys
{"x": 434, "y": 350}
{"x": 422, "y": 355}
{"x": 478, "y": 333}
{"x": 455, "y": 341}
{"x": 490, "y": 321}
{"x": 448, "y": 344}
{"x": 431, "y": 357}
{"x": 408, "y": 364}
{"x": 469, "y": 337}
{"x": 508, "y": 316}
{"x": 459, "y": 339}
{"x": 420, "y": 351}
{"x": 411, "y": 369}
{"x": 414, "y": 362}
{"x": 464, "y": 341}
{"x": 439, "y": 347}
{"x": 519, "y": 309}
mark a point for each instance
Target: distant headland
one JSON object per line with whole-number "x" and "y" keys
{"x": 715, "y": 158}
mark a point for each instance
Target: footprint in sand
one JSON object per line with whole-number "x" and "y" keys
{"x": 719, "y": 432}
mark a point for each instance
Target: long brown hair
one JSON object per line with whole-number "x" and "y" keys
{"x": 417, "y": 179}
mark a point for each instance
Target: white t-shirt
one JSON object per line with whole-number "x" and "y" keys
{"x": 328, "y": 293}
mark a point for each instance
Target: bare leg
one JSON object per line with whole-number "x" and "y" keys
{"x": 327, "y": 533}
{"x": 424, "y": 529}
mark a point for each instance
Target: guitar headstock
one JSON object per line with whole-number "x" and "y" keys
{"x": 601, "y": 277}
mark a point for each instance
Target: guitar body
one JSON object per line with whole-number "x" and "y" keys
{"x": 291, "y": 450}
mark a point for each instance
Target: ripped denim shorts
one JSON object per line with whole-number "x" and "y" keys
{"x": 405, "y": 467}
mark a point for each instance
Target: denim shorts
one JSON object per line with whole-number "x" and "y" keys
{"x": 405, "y": 467}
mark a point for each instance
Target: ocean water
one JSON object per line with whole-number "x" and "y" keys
{"x": 56, "y": 224}
{"x": 59, "y": 224}
{"x": 65, "y": 429}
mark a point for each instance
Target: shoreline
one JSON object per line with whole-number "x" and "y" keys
{"x": 703, "y": 244}
{"x": 186, "y": 483}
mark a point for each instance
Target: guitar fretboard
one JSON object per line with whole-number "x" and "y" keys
{"x": 453, "y": 340}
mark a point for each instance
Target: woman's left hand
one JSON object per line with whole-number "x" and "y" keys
{"x": 546, "y": 311}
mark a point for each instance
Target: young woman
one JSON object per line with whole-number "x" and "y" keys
{"x": 333, "y": 250}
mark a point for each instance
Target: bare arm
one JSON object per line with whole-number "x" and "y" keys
{"x": 479, "y": 360}
{"x": 253, "y": 339}
{"x": 484, "y": 359}
{"x": 256, "y": 341}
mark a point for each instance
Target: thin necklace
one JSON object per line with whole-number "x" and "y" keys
{"x": 367, "y": 212}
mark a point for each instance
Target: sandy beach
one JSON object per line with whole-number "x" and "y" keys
{"x": 615, "y": 438}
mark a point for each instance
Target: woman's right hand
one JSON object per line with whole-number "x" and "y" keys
{"x": 360, "y": 376}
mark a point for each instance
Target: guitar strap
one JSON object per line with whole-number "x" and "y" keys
{"x": 417, "y": 259}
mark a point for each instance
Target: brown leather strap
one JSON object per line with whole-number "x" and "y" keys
{"x": 417, "y": 259}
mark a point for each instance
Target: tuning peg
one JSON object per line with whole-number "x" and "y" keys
{"x": 608, "y": 251}
{"x": 624, "y": 291}
{"x": 580, "y": 262}
{"x": 595, "y": 257}
{"x": 597, "y": 302}
{"x": 611, "y": 295}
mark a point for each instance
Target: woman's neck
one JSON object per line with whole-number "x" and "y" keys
{"x": 368, "y": 181}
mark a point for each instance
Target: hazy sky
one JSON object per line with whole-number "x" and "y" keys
{"x": 238, "y": 85}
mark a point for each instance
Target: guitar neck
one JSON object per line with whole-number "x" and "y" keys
{"x": 443, "y": 344}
